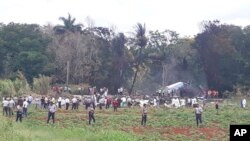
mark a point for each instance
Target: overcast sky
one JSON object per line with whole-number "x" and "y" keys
{"x": 183, "y": 16}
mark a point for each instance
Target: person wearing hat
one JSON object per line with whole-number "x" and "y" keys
{"x": 144, "y": 115}
{"x": 198, "y": 114}
{"x": 51, "y": 113}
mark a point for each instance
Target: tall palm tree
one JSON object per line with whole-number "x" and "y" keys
{"x": 120, "y": 62}
{"x": 140, "y": 42}
{"x": 68, "y": 25}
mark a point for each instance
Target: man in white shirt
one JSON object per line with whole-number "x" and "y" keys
{"x": 37, "y": 101}
{"x": 67, "y": 103}
{"x": 25, "y": 107}
{"x": 198, "y": 114}
{"x": 52, "y": 111}
{"x": 74, "y": 102}
{"x": 194, "y": 101}
{"x": 5, "y": 106}
{"x": 11, "y": 107}
{"x": 129, "y": 100}
{"x": 59, "y": 102}
{"x": 123, "y": 101}
{"x": 30, "y": 98}
{"x": 244, "y": 103}
{"x": 46, "y": 102}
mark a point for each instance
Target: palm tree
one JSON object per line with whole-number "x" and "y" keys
{"x": 120, "y": 62}
{"x": 68, "y": 25}
{"x": 140, "y": 42}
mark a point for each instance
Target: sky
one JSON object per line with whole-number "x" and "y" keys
{"x": 182, "y": 16}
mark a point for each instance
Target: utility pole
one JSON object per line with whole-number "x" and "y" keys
{"x": 67, "y": 79}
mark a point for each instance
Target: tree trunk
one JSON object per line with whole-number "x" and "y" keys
{"x": 163, "y": 74}
{"x": 131, "y": 89}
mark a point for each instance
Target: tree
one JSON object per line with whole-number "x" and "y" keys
{"x": 220, "y": 47}
{"x": 160, "y": 49}
{"x": 23, "y": 47}
{"x": 140, "y": 42}
{"x": 120, "y": 62}
{"x": 68, "y": 25}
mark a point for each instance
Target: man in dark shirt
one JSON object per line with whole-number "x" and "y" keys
{"x": 144, "y": 115}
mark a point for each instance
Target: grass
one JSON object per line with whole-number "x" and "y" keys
{"x": 124, "y": 125}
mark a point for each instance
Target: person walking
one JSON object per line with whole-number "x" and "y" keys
{"x": 51, "y": 113}
{"x": 198, "y": 114}
{"x": 19, "y": 113}
{"x": 91, "y": 112}
{"x": 144, "y": 115}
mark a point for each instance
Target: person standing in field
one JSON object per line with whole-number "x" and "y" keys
{"x": 67, "y": 103}
{"x": 19, "y": 113}
{"x": 30, "y": 99}
{"x": 42, "y": 102}
{"x": 51, "y": 113}
{"x": 115, "y": 104}
{"x": 217, "y": 107}
{"x": 59, "y": 102}
{"x": 129, "y": 100}
{"x": 244, "y": 103}
{"x": 74, "y": 102}
{"x": 11, "y": 107}
{"x": 37, "y": 102}
{"x": 91, "y": 112}
{"x": 5, "y": 106}
{"x": 25, "y": 107}
{"x": 144, "y": 115}
{"x": 46, "y": 102}
{"x": 108, "y": 102}
{"x": 198, "y": 114}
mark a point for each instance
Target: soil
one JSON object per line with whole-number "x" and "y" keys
{"x": 208, "y": 132}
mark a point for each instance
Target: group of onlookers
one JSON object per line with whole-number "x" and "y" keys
{"x": 20, "y": 105}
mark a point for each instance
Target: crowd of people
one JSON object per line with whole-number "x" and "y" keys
{"x": 101, "y": 100}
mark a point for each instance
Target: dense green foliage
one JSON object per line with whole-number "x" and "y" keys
{"x": 23, "y": 47}
{"x": 216, "y": 58}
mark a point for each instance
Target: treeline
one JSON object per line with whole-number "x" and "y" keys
{"x": 217, "y": 58}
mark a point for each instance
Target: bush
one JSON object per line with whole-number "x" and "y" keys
{"x": 41, "y": 84}
{"x": 7, "y": 88}
{"x": 21, "y": 85}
